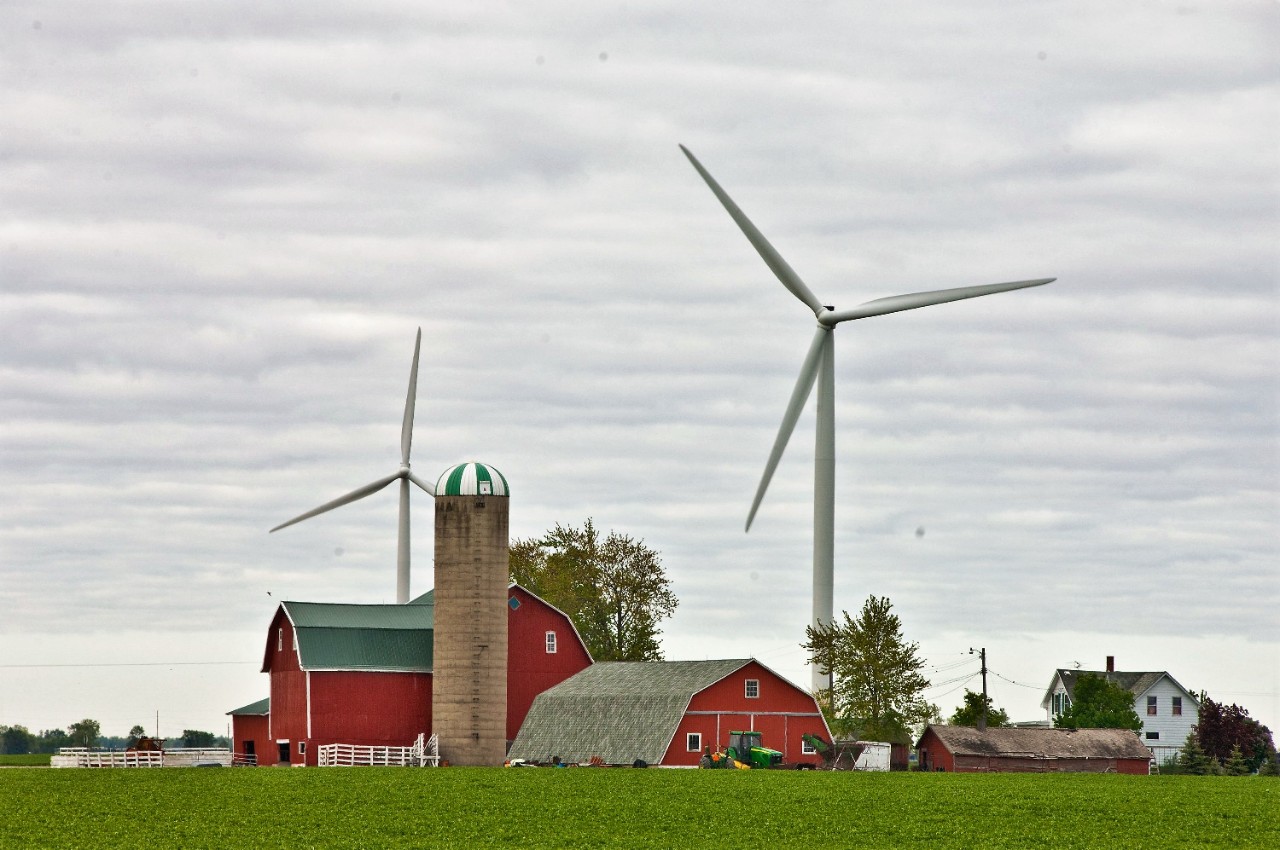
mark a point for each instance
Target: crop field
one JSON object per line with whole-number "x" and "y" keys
{"x": 461, "y": 807}
{"x": 33, "y": 760}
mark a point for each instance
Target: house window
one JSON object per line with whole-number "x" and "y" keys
{"x": 1151, "y": 706}
{"x": 1177, "y": 706}
{"x": 806, "y": 748}
{"x": 551, "y": 643}
{"x": 1153, "y": 736}
{"x": 693, "y": 742}
{"x": 753, "y": 689}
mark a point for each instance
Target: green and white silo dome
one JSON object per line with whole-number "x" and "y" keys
{"x": 472, "y": 479}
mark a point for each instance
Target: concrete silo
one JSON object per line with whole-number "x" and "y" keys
{"x": 469, "y": 690}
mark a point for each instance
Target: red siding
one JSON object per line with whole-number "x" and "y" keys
{"x": 288, "y": 720}
{"x": 530, "y": 668}
{"x": 782, "y": 713}
{"x": 249, "y": 736}
{"x": 933, "y": 755}
{"x": 374, "y": 709}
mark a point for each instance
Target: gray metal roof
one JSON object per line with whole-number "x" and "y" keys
{"x": 1042, "y": 742}
{"x": 1136, "y": 683}
{"x": 620, "y": 710}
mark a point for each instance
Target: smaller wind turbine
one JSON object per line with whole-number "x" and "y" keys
{"x": 403, "y": 475}
{"x": 819, "y": 368}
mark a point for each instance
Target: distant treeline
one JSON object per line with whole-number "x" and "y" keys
{"x": 18, "y": 740}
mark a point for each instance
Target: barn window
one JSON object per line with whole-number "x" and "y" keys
{"x": 551, "y": 643}
{"x": 807, "y": 748}
{"x": 1177, "y": 706}
{"x": 513, "y": 603}
{"x": 693, "y": 742}
{"x": 302, "y": 748}
{"x": 280, "y": 640}
{"x": 753, "y": 689}
{"x": 1151, "y": 705}
{"x": 1153, "y": 736}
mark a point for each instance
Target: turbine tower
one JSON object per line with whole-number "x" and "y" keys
{"x": 819, "y": 367}
{"x": 403, "y": 475}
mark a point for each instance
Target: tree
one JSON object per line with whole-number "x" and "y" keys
{"x": 51, "y": 740}
{"x": 1099, "y": 704}
{"x": 1192, "y": 759}
{"x": 193, "y": 739}
{"x": 85, "y": 733}
{"x": 614, "y": 589}
{"x": 135, "y": 734}
{"x": 877, "y": 684}
{"x": 1223, "y": 727}
{"x": 971, "y": 712}
{"x": 16, "y": 740}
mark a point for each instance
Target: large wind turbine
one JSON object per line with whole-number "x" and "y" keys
{"x": 403, "y": 475}
{"x": 819, "y": 367}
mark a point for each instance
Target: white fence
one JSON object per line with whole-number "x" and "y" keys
{"x": 85, "y": 757}
{"x": 423, "y": 753}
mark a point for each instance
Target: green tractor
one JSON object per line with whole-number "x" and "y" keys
{"x": 744, "y": 752}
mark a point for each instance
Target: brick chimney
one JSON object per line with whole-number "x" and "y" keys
{"x": 1111, "y": 664}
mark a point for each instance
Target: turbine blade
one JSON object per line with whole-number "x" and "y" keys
{"x": 406, "y": 430}
{"x": 353, "y": 496}
{"x": 771, "y": 257}
{"x": 804, "y": 385}
{"x": 913, "y": 300}
{"x": 430, "y": 489}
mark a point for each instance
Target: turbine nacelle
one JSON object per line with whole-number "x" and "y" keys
{"x": 403, "y": 475}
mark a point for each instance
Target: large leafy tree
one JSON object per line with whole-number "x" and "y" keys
{"x": 613, "y": 588}
{"x": 1224, "y": 727}
{"x": 1098, "y": 703}
{"x": 16, "y": 739}
{"x": 877, "y": 687}
{"x": 85, "y": 733}
{"x": 971, "y": 712}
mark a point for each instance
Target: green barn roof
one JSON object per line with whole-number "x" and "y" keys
{"x": 472, "y": 479}
{"x": 261, "y": 707}
{"x": 398, "y": 638}
{"x": 618, "y": 710}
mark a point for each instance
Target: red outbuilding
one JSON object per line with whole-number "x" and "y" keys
{"x": 362, "y": 674}
{"x": 667, "y": 713}
{"x": 964, "y": 749}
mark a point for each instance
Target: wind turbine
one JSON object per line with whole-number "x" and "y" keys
{"x": 403, "y": 475}
{"x": 819, "y": 367}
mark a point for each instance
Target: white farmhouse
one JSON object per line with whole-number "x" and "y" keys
{"x": 1168, "y": 711}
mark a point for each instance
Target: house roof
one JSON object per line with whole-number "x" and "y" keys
{"x": 1041, "y": 743}
{"x": 1137, "y": 683}
{"x": 618, "y": 710}
{"x": 261, "y": 707}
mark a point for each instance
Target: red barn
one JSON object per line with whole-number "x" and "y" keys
{"x": 667, "y": 712}
{"x": 362, "y": 674}
{"x": 964, "y": 749}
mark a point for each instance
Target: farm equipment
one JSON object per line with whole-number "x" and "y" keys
{"x": 839, "y": 755}
{"x": 744, "y": 752}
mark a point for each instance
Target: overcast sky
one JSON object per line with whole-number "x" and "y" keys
{"x": 222, "y": 224}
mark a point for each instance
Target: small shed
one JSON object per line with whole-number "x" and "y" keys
{"x": 964, "y": 749}
{"x": 666, "y": 713}
{"x": 251, "y": 732}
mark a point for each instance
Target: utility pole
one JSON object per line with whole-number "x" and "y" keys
{"x": 982, "y": 655}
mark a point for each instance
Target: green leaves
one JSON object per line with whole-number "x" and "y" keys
{"x": 1099, "y": 704}
{"x": 878, "y": 683}
{"x": 614, "y": 589}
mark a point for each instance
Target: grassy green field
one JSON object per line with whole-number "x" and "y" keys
{"x": 32, "y": 760}
{"x": 460, "y": 807}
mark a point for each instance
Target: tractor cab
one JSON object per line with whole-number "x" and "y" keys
{"x": 745, "y": 748}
